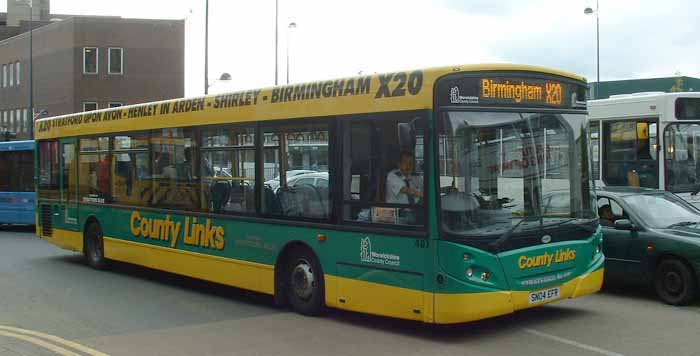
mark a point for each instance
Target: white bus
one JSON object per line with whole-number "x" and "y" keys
{"x": 648, "y": 139}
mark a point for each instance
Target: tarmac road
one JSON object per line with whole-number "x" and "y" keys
{"x": 51, "y": 303}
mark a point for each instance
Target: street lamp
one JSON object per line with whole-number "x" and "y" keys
{"x": 589, "y": 11}
{"x": 31, "y": 60}
{"x": 292, "y": 25}
{"x": 224, "y": 77}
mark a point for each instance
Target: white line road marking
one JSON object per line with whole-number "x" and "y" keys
{"x": 53, "y": 338}
{"x": 572, "y": 343}
{"x": 38, "y": 342}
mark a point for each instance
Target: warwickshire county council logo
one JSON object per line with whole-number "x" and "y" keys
{"x": 369, "y": 256}
{"x": 455, "y": 98}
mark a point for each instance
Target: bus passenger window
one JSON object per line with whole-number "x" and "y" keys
{"x": 296, "y": 171}
{"x": 630, "y": 156}
{"x": 94, "y": 170}
{"x": 228, "y": 170}
{"x": 131, "y": 176}
{"x": 383, "y": 170}
{"x": 176, "y": 183}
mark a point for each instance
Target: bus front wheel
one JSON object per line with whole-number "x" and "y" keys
{"x": 305, "y": 284}
{"x": 94, "y": 246}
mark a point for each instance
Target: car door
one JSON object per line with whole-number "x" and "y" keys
{"x": 617, "y": 244}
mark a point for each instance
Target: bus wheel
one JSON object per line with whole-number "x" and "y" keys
{"x": 674, "y": 282}
{"x": 94, "y": 246}
{"x": 305, "y": 290}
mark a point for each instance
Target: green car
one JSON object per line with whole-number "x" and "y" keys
{"x": 651, "y": 238}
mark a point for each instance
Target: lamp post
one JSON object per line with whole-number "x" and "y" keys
{"x": 206, "y": 48}
{"x": 31, "y": 71}
{"x": 589, "y": 11}
{"x": 276, "y": 36}
{"x": 292, "y": 25}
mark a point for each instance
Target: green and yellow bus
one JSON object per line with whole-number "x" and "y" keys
{"x": 440, "y": 195}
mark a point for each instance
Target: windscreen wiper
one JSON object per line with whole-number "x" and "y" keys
{"x": 506, "y": 235}
{"x": 566, "y": 221}
{"x": 684, "y": 223}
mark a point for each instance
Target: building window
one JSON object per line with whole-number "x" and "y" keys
{"x": 90, "y": 65}
{"x": 17, "y": 74}
{"x": 115, "y": 105}
{"x": 12, "y": 76}
{"x": 20, "y": 122}
{"x": 116, "y": 61}
{"x": 89, "y": 106}
{"x": 4, "y": 75}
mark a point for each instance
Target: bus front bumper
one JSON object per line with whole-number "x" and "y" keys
{"x": 460, "y": 308}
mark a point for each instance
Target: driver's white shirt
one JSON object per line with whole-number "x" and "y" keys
{"x": 395, "y": 181}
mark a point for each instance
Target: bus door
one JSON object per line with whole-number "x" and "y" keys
{"x": 68, "y": 181}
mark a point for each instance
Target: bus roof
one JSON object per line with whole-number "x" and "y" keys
{"x": 397, "y": 91}
{"x": 17, "y": 145}
{"x": 635, "y": 105}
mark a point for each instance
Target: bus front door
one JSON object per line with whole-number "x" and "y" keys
{"x": 68, "y": 205}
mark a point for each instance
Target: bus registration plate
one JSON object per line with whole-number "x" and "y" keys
{"x": 544, "y": 295}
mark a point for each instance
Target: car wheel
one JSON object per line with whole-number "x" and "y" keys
{"x": 94, "y": 247}
{"x": 305, "y": 284}
{"x": 674, "y": 282}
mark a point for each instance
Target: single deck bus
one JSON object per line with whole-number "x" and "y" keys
{"x": 440, "y": 195}
{"x": 649, "y": 139}
{"x": 17, "y": 197}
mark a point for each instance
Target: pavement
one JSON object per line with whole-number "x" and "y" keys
{"x": 52, "y": 303}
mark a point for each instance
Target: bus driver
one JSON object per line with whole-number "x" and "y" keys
{"x": 403, "y": 186}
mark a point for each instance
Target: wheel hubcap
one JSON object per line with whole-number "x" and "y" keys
{"x": 673, "y": 282}
{"x": 303, "y": 280}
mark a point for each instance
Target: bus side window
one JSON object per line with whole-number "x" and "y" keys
{"x": 630, "y": 153}
{"x": 595, "y": 148}
{"x": 228, "y": 170}
{"x": 293, "y": 153}
{"x": 383, "y": 177}
{"x": 176, "y": 182}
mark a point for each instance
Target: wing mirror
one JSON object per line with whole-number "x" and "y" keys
{"x": 625, "y": 224}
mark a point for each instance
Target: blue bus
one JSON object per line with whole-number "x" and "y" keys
{"x": 17, "y": 197}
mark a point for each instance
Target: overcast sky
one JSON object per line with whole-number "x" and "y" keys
{"x": 638, "y": 38}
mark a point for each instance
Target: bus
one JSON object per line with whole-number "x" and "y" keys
{"x": 440, "y": 195}
{"x": 649, "y": 139}
{"x": 17, "y": 197}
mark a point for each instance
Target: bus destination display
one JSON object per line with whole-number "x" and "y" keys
{"x": 505, "y": 91}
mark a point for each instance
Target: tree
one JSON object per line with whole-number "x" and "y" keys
{"x": 678, "y": 86}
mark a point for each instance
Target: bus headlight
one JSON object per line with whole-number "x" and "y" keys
{"x": 597, "y": 249}
{"x": 485, "y": 276}
{"x": 470, "y": 272}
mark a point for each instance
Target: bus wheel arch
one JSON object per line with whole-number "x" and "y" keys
{"x": 93, "y": 244}
{"x": 299, "y": 280}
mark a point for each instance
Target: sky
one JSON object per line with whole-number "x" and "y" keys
{"x": 638, "y": 38}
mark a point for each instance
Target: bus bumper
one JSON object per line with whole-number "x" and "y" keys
{"x": 460, "y": 308}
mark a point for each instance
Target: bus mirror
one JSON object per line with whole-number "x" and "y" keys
{"x": 407, "y": 135}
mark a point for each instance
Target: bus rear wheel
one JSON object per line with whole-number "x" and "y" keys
{"x": 305, "y": 283}
{"x": 674, "y": 282}
{"x": 94, "y": 246}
